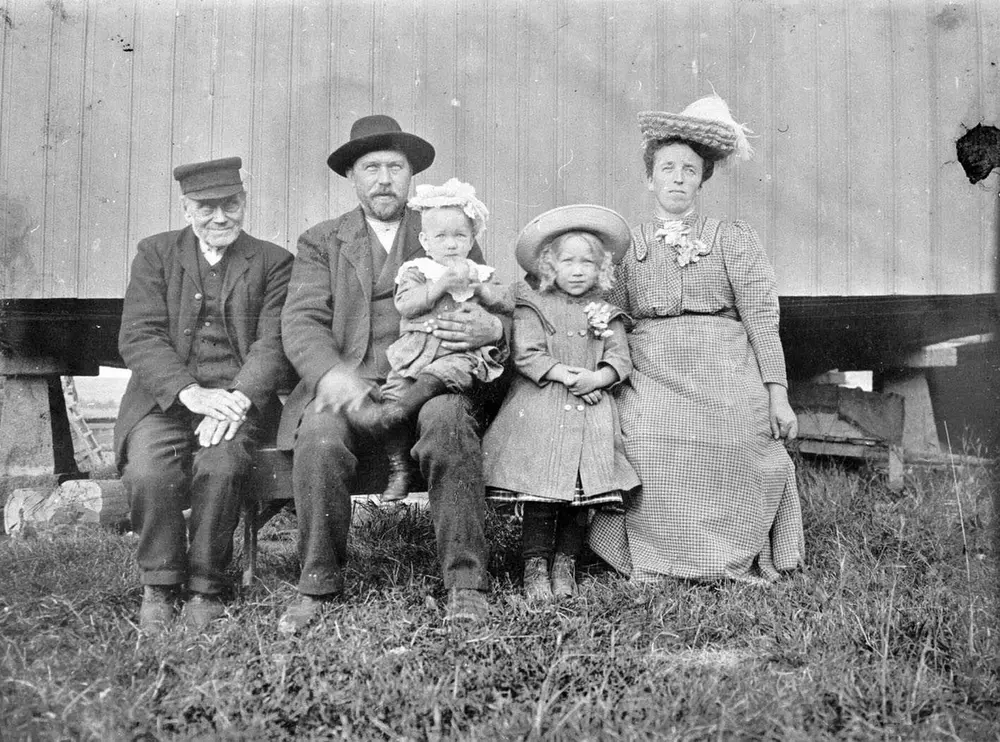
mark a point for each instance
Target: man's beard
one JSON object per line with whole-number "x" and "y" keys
{"x": 218, "y": 239}
{"x": 385, "y": 210}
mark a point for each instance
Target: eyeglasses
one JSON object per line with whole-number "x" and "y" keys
{"x": 207, "y": 208}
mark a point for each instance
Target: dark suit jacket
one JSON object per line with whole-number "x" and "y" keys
{"x": 162, "y": 304}
{"x": 327, "y": 318}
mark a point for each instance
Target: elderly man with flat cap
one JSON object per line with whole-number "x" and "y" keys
{"x": 201, "y": 333}
{"x": 337, "y": 324}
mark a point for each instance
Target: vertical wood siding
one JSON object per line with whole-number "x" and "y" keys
{"x": 855, "y": 188}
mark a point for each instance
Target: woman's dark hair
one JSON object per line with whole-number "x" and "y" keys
{"x": 707, "y": 154}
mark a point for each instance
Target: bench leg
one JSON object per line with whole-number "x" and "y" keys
{"x": 250, "y": 527}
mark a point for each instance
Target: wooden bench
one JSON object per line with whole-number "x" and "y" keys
{"x": 270, "y": 490}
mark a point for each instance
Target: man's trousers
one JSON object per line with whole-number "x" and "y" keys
{"x": 167, "y": 471}
{"x": 449, "y": 454}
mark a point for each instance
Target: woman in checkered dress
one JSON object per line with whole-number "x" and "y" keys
{"x": 706, "y": 408}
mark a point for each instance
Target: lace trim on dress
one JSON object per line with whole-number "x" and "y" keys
{"x": 677, "y": 233}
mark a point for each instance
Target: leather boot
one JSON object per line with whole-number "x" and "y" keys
{"x": 367, "y": 418}
{"x": 157, "y": 610}
{"x": 378, "y": 419}
{"x": 536, "y": 580}
{"x": 563, "y": 576}
{"x": 397, "y": 449}
{"x": 467, "y": 605}
{"x": 404, "y": 410}
{"x": 201, "y": 610}
{"x": 302, "y": 612}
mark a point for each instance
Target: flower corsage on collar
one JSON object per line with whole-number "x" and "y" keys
{"x": 677, "y": 234}
{"x": 599, "y": 314}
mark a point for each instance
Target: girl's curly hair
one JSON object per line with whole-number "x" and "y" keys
{"x": 549, "y": 254}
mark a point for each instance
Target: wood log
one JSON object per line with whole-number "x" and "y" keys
{"x": 100, "y": 502}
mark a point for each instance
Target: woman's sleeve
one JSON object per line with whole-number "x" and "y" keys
{"x": 531, "y": 349}
{"x": 752, "y": 278}
{"x": 618, "y": 295}
{"x": 616, "y": 352}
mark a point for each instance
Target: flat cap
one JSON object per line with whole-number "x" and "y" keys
{"x": 211, "y": 179}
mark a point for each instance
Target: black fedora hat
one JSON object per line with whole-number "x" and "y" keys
{"x": 378, "y": 132}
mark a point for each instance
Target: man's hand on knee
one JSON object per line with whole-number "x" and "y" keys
{"x": 211, "y": 432}
{"x": 339, "y": 390}
{"x": 217, "y": 403}
{"x": 468, "y": 327}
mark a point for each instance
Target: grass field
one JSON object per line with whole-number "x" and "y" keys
{"x": 888, "y": 634}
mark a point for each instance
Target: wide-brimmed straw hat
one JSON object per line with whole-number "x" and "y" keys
{"x": 707, "y": 121}
{"x": 379, "y": 132}
{"x": 608, "y": 226}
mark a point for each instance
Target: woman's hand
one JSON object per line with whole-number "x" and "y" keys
{"x": 784, "y": 424}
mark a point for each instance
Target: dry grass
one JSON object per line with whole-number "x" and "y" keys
{"x": 888, "y": 634}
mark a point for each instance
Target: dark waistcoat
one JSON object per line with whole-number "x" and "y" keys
{"x": 385, "y": 318}
{"x": 213, "y": 362}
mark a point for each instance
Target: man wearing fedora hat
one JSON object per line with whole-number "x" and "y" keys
{"x": 201, "y": 333}
{"x": 337, "y": 324}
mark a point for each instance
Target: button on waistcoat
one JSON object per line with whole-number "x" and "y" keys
{"x": 212, "y": 361}
{"x": 385, "y": 318}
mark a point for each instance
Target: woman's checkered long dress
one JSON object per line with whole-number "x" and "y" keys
{"x": 718, "y": 496}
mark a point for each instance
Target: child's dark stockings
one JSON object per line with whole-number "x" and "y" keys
{"x": 550, "y": 527}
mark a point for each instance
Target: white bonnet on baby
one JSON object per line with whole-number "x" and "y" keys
{"x": 453, "y": 193}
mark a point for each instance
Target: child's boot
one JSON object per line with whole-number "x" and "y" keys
{"x": 536, "y": 580}
{"x": 563, "y": 576}
{"x": 378, "y": 419}
{"x": 398, "y": 411}
{"x": 397, "y": 449}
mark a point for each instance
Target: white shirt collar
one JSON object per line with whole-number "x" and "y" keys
{"x": 212, "y": 254}
{"x": 385, "y": 231}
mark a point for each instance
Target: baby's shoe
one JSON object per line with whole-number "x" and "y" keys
{"x": 536, "y": 580}
{"x": 400, "y": 476}
{"x": 563, "y": 576}
{"x": 401, "y": 469}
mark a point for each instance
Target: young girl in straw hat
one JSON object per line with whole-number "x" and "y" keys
{"x": 451, "y": 219}
{"x": 555, "y": 446}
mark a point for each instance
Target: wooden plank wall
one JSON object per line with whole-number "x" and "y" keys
{"x": 855, "y": 188}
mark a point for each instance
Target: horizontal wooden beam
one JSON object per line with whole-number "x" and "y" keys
{"x": 944, "y": 354}
{"x": 14, "y": 365}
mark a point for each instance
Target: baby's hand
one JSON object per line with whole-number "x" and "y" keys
{"x": 484, "y": 291}
{"x": 457, "y": 275}
{"x": 460, "y": 266}
{"x": 592, "y": 397}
